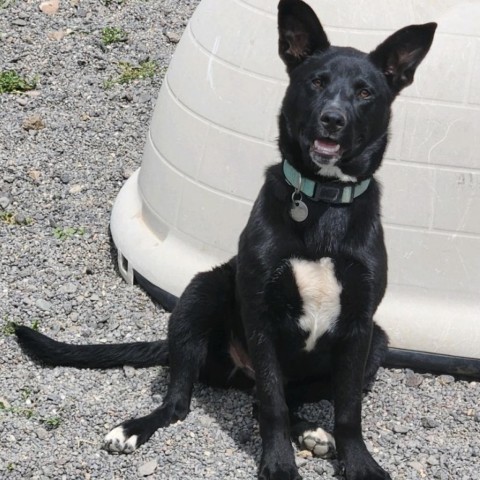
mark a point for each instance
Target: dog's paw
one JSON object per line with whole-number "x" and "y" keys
{"x": 318, "y": 441}
{"x": 119, "y": 441}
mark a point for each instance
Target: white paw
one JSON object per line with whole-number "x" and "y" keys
{"x": 117, "y": 441}
{"x": 318, "y": 441}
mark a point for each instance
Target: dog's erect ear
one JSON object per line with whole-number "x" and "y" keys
{"x": 401, "y": 53}
{"x": 300, "y": 33}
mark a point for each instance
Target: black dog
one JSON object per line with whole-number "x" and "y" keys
{"x": 292, "y": 312}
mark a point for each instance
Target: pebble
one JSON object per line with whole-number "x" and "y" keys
{"x": 416, "y": 466}
{"x": 68, "y": 288}
{"x": 19, "y": 22}
{"x": 147, "y": 468}
{"x": 33, "y": 122}
{"x": 173, "y": 37}
{"x": 41, "y": 433}
{"x": 22, "y": 101}
{"x": 428, "y": 422}
{"x": 446, "y": 379}
{"x": 401, "y": 429}
{"x": 43, "y": 304}
{"x": 65, "y": 178}
{"x": 413, "y": 380}
{"x": 5, "y": 200}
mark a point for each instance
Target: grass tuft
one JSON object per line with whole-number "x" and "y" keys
{"x": 113, "y": 35}
{"x": 12, "y": 82}
{"x": 67, "y": 232}
{"x": 130, "y": 73}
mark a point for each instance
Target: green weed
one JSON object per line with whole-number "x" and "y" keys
{"x": 52, "y": 423}
{"x": 12, "y": 82}
{"x": 130, "y": 73}
{"x": 8, "y": 328}
{"x": 113, "y": 35}
{"x": 67, "y": 232}
{"x": 10, "y": 218}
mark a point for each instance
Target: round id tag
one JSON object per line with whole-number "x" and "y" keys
{"x": 298, "y": 210}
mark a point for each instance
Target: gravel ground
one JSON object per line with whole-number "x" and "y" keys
{"x": 65, "y": 150}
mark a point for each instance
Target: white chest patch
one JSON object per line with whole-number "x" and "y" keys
{"x": 320, "y": 291}
{"x": 332, "y": 171}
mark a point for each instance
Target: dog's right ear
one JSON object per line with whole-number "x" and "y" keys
{"x": 300, "y": 33}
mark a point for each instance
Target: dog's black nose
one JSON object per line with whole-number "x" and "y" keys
{"x": 333, "y": 120}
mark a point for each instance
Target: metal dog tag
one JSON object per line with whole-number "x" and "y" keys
{"x": 298, "y": 210}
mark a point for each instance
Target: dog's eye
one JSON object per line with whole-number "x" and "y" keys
{"x": 319, "y": 83}
{"x": 364, "y": 94}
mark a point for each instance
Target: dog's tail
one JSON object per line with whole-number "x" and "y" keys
{"x": 51, "y": 352}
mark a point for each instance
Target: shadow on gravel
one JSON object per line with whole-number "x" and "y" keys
{"x": 231, "y": 411}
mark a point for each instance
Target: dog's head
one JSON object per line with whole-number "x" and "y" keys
{"x": 336, "y": 111}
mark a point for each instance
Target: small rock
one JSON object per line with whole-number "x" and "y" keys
{"x": 33, "y": 93}
{"x": 446, "y": 379}
{"x": 413, "y": 380}
{"x": 19, "y": 22}
{"x": 172, "y": 37}
{"x": 147, "y": 468}
{"x": 400, "y": 429}
{"x": 20, "y": 218}
{"x": 416, "y": 466}
{"x": 81, "y": 12}
{"x": 205, "y": 421}
{"x": 41, "y": 433}
{"x": 76, "y": 189}
{"x": 129, "y": 372}
{"x": 428, "y": 422}
{"x": 58, "y": 35}
{"x": 431, "y": 460}
{"x": 65, "y": 178}
{"x": 300, "y": 461}
{"x": 5, "y": 200}
{"x": 126, "y": 174}
{"x": 305, "y": 454}
{"x": 43, "y": 304}
{"x": 35, "y": 175}
{"x": 50, "y": 7}
{"x": 33, "y": 122}
{"x": 144, "y": 98}
{"x": 22, "y": 101}
{"x": 68, "y": 288}
{"x": 4, "y": 402}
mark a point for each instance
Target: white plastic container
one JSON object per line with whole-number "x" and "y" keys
{"x": 213, "y": 133}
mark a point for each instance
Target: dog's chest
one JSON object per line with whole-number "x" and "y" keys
{"x": 320, "y": 291}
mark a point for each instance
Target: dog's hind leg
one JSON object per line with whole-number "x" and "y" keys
{"x": 202, "y": 308}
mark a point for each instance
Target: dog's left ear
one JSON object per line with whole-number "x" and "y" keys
{"x": 300, "y": 33}
{"x": 401, "y": 53}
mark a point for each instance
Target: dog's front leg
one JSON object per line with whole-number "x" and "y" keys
{"x": 349, "y": 358}
{"x": 278, "y": 462}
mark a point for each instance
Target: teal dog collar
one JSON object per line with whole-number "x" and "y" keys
{"x": 325, "y": 192}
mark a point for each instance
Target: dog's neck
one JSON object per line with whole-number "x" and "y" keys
{"x": 328, "y": 192}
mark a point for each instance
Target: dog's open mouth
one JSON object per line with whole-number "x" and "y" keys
{"x": 325, "y": 151}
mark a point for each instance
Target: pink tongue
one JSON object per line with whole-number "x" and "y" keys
{"x": 328, "y": 147}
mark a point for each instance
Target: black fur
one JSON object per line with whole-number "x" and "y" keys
{"x": 333, "y": 122}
